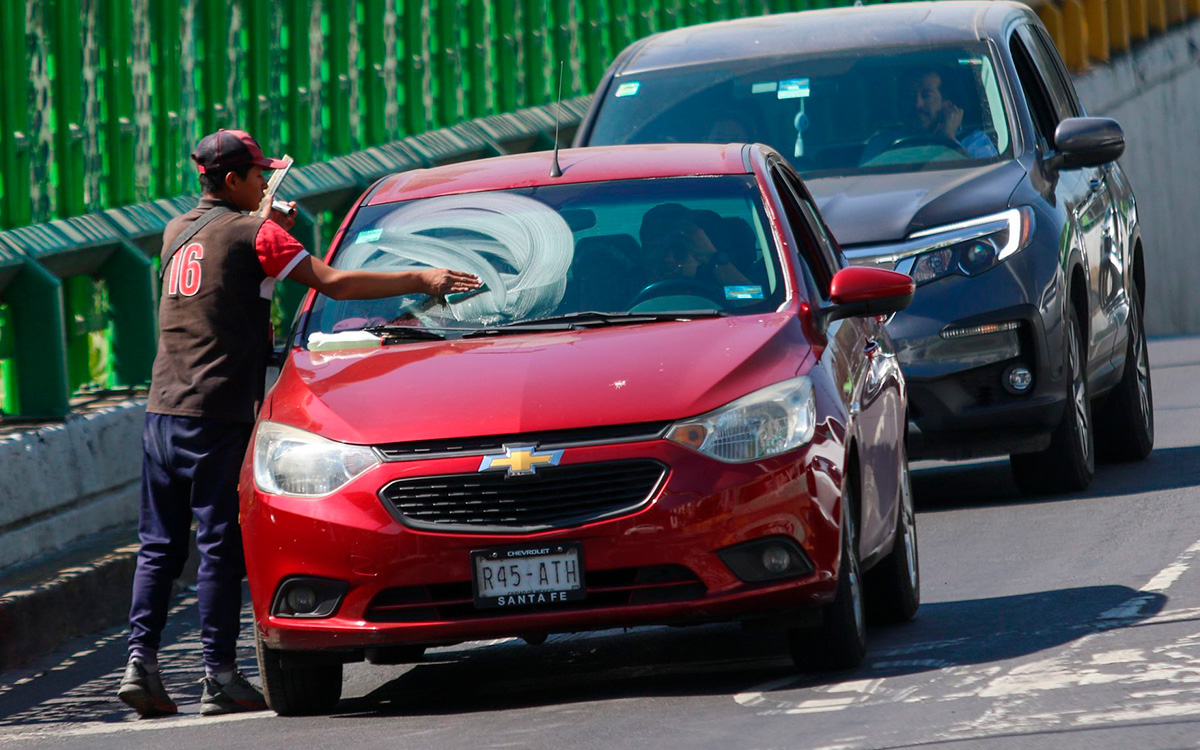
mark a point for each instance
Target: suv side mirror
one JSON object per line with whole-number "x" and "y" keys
{"x": 1087, "y": 142}
{"x": 859, "y": 291}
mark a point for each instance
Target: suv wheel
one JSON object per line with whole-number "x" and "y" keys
{"x": 894, "y": 585}
{"x": 298, "y": 684}
{"x": 1070, "y": 461}
{"x": 1125, "y": 425}
{"x": 840, "y": 641}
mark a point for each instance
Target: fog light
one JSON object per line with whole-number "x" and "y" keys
{"x": 302, "y": 600}
{"x": 766, "y": 559}
{"x": 1018, "y": 379}
{"x": 776, "y": 559}
{"x": 308, "y": 597}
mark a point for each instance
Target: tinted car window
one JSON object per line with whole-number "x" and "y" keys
{"x": 863, "y": 111}
{"x": 1047, "y": 64}
{"x": 1037, "y": 97}
{"x": 662, "y": 245}
{"x": 816, "y": 264}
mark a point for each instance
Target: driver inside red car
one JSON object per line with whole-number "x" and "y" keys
{"x": 932, "y": 117}
{"x": 678, "y": 243}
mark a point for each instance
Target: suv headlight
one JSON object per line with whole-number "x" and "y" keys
{"x": 967, "y": 248}
{"x": 765, "y": 423}
{"x": 290, "y": 461}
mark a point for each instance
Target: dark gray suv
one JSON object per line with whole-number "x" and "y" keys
{"x": 944, "y": 140}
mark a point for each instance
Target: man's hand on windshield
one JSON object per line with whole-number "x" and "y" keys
{"x": 442, "y": 281}
{"x": 951, "y": 120}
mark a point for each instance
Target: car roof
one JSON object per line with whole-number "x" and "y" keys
{"x": 818, "y": 31}
{"x": 578, "y": 165}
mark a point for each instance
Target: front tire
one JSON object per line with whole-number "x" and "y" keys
{"x": 298, "y": 684}
{"x": 1125, "y": 425}
{"x": 1070, "y": 462}
{"x": 840, "y": 641}
{"x": 894, "y": 585}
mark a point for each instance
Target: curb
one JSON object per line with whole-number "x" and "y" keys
{"x": 71, "y": 599}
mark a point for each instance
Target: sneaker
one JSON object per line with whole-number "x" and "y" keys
{"x": 238, "y": 695}
{"x": 143, "y": 691}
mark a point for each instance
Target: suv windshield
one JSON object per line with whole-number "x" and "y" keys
{"x": 688, "y": 245}
{"x": 865, "y": 111}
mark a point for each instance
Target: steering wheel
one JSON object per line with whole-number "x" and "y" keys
{"x": 667, "y": 287}
{"x": 908, "y": 141}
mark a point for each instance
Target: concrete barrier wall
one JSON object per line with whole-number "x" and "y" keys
{"x": 66, "y": 481}
{"x": 1154, "y": 92}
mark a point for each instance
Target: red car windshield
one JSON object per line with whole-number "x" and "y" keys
{"x": 678, "y": 245}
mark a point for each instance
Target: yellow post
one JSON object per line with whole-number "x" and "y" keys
{"x": 1096, "y": 12}
{"x": 1139, "y": 20}
{"x": 1052, "y": 17}
{"x": 1118, "y": 25}
{"x": 1176, "y": 11}
{"x": 1193, "y": 7}
{"x": 1075, "y": 30}
{"x": 1156, "y": 13}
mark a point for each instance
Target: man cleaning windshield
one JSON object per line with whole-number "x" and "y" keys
{"x": 219, "y": 270}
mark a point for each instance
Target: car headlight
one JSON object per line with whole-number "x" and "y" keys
{"x": 290, "y": 461}
{"x": 765, "y": 423}
{"x": 967, "y": 248}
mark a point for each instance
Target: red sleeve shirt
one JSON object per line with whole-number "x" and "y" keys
{"x": 278, "y": 251}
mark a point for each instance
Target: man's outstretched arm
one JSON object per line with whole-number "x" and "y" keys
{"x": 339, "y": 284}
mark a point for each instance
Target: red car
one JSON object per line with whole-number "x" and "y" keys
{"x": 672, "y": 402}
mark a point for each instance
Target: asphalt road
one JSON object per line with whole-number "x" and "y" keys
{"x": 1056, "y": 622}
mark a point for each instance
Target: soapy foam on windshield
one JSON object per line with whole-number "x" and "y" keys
{"x": 517, "y": 231}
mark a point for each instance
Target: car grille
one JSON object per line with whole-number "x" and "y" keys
{"x": 444, "y": 602}
{"x": 620, "y": 433}
{"x": 554, "y": 498}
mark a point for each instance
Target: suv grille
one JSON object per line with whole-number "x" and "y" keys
{"x": 442, "y": 602}
{"x": 618, "y": 433}
{"x": 554, "y": 498}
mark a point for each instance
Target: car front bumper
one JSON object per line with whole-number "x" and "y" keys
{"x": 656, "y": 565}
{"x": 959, "y": 405}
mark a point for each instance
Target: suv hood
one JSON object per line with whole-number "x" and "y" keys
{"x": 535, "y": 382}
{"x": 869, "y": 209}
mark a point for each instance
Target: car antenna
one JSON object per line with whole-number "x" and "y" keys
{"x": 555, "y": 169}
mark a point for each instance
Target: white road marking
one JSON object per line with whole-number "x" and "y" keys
{"x": 104, "y": 727}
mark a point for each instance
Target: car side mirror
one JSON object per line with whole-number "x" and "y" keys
{"x": 858, "y": 291}
{"x": 1087, "y": 142}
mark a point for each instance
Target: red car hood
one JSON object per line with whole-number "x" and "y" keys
{"x": 527, "y": 383}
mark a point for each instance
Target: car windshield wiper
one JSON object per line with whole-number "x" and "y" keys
{"x": 591, "y": 318}
{"x": 405, "y": 332}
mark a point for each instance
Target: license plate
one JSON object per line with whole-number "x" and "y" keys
{"x": 528, "y": 575}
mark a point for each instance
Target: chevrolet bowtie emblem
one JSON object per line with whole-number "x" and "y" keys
{"x": 520, "y": 460}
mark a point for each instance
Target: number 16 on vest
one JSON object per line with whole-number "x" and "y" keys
{"x": 186, "y": 271}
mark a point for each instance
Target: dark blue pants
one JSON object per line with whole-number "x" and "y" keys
{"x": 190, "y": 466}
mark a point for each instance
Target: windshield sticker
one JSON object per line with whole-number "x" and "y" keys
{"x": 743, "y": 292}
{"x": 769, "y": 87}
{"x": 369, "y": 235}
{"x": 793, "y": 88}
{"x": 629, "y": 89}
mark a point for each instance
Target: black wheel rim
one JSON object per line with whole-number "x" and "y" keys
{"x": 908, "y": 531}
{"x": 1142, "y": 361}
{"x": 1079, "y": 392}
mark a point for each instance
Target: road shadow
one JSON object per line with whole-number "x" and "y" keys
{"x": 990, "y": 483}
{"x": 728, "y": 659}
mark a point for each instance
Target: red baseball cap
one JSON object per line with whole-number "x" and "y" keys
{"x": 231, "y": 148}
